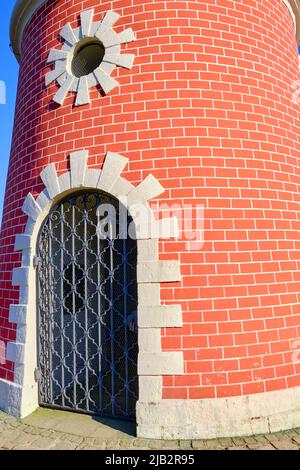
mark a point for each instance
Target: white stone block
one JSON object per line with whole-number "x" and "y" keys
{"x": 65, "y": 182}
{"x": 150, "y": 388}
{"x": 149, "y": 340}
{"x": 22, "y": 242}
{"x": 29, "y": 227}
{"x": 122, "y": 60}
{"x": 30, "y": 207}
{"x": 19, "y": 374}
{"x": 161, "y": 316}
{"x": 106, "y": 82}
{"x": 21, "y": 333}
{"x": 60, "y": 68}
{"x": 83, "y": 94}
{"x": 113, "y": 166}
{"x": 50, "y": 180}
{"x": 167, "y": 228}
{"x": 158, "y": 271}
{"x": 149, "y": 294}
{"x": 147, "y": 431}
{"x": 24, "y": 295}
{"x": 91, "y": 178}
{"x": 20, "y": 277}
{"x": 86, "y": 18}
{"x": 18, "y": 314}
{"x": 110, "y": 40}
{"x": 43, "y": 199}
{"x": 62, "y": 92}
{"x": 78, "y": 164}
{"x": 148, "y": 189}
{"x": 10, "y": 397}
{"x": 147, "y": 250}
{"x": 164, "y": 363}
{"x": 26, "y": 257}
{"x": 110, "y": 18}
{"x": 121, "y": 188}
{"x": 67, "y": 33}
{"x": 15, "y": 352}
{"x": 56, "y": 54}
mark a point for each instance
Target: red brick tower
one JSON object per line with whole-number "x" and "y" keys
{"x": 181, "y": 105}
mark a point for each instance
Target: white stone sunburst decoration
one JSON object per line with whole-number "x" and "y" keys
{"x": 96, "y": 34}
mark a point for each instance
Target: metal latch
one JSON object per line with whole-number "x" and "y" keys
{"x": 37, "y": 375}
{"x": 36, "y": 261}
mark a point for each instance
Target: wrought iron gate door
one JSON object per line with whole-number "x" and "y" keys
{"x": 87, "y": 310}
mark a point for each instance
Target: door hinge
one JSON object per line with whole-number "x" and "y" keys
{"x": 36, "y": 261}
{"x": 37, "y": 375}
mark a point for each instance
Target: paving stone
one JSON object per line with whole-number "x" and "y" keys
{"x": 261, "y": 447}
{"x": 250, "y": 440}
{"x": 113, "y": 445}
{"x": 237, "y": 448}
{"x": 225, "y": 442}
{"x": 239, "y": 441}
{"x": 261, "y": 439}
{"x": 15, "y": 434}
{"x": 23, "y": 440}
{"x": 214, "y": 444}
{"x": 285, "y": 445}
{"x": 185, "y": 445}
{"x": 296, "y": 439}
{"x": 33, "y": 430}
{"x": 63, "y": 445}
{"x": 42, "y": 443}
{"x": 290, "y": 434}
{"x": 276, "y": 436}
{"x": 157, "y": 444}
{"x": 7, "y": 438}
{"x": 87, "y": 447}
{"x": 138, "y": 443}
{"x": 199, "y": 445}
{"x": 126, "y": 444}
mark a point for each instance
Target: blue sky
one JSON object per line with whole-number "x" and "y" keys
{"x": 9, "y": 75}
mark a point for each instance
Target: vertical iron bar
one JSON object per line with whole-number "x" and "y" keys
{"x": 62, "y": 298}
{"x": 100, "y": 380}
{"x": 85, "y": 199}
{"x": 50, "y": 320}
{"x": 125, "y": 321}
{"x": 74, "y": 307}
{"x": 112, "y": 322}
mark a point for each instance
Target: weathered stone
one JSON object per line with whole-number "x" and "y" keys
{"x": 225, "y": 442}
{"x": 261, "y": 447}
{"x": 285, "y": 444}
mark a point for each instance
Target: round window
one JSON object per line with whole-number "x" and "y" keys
{"x": 87, "y": 57}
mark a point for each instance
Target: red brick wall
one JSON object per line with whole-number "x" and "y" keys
{"x": 207, "y": 108}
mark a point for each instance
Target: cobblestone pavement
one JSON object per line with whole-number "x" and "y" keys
{"x": 56, "y": 430}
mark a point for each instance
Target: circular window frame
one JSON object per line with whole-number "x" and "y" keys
{"x": 100, "y": 32}
{"x": 77, "y": 48}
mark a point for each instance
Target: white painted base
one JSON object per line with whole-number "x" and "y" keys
{"x": 223, "y": 417}
{"x": 12, "y": 399}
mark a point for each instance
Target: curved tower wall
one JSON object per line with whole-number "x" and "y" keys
{"x": 209, "y": 109}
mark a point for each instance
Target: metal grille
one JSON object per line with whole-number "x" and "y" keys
{"x": 87, "y": 302}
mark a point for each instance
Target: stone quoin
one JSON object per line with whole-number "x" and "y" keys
{"x": 163, "y": 106}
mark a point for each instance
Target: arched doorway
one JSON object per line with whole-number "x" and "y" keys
{"x": 87, "y": 308}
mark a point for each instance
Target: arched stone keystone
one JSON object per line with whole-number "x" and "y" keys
{"x": 113, "y": 166}
{"x": 30, "y": 207}
{"x": 78, "y": 164}
{"x": 50, "y": 180}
